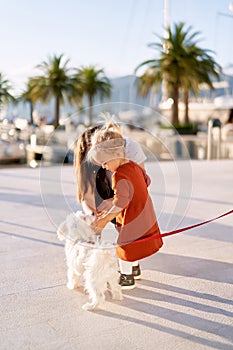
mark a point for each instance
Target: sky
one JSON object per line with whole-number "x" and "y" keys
{"x": 111, "y": 34}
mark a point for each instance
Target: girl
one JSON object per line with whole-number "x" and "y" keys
{"x": 93, "y": 182}
{"x": 139, "y": 234}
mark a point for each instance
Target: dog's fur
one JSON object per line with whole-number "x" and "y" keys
{"x": 95, "y": 262}
{"x": 73, "y": 230}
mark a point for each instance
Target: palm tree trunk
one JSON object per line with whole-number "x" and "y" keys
{"x": 57, "y": 112}
{"x": 175, "y": 106}
{"x": 186, "y": 104}
{"x": 31, "y": 112}
{"x": 90, "y": 104}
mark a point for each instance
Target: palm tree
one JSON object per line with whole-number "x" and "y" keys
{"x": 56, "y": 82}
{"x": 93, "y": 83}
{"x": 181, "y": 65}
{"x": 5, "y": 87}
{"x": 29, "y": 95}
{"x": 201, "y": 69}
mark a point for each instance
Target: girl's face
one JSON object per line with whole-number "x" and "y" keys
{"x": 111, "y": 165}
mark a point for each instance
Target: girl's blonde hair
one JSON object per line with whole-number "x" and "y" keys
{"x": 104, "y": 135}
{"x": 107, "y": 144}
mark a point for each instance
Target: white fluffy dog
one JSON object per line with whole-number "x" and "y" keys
{"x": 96, "y": 262}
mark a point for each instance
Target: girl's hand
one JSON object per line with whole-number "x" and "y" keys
{"x": 105, "y": 206}
{"x": 99, "y": 225}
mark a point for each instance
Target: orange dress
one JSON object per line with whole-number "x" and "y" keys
{"x": 137, "y": 219}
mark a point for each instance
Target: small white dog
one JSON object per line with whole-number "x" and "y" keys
{"x": 96, "y": 262}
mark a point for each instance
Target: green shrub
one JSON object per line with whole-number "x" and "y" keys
{"x": 182, "y": 129}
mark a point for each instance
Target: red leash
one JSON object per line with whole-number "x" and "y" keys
{"x": 182, "y": 229}
{"x": 196, "y": 225}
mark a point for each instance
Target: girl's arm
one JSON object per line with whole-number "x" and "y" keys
{"x": 146, "y": 177}
{"x": 88, "y": 203}
{"x": 121, "y": 200}
{"x": 104, "y": 219}
{"x": 105, "y": 206}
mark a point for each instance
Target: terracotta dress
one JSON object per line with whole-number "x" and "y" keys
{"x": 137, "y": 219}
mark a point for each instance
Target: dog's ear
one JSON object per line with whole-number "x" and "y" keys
{"x": 79, "y": 214}
{"x": 62, "y": 231}
{"x": 88, "y": 218}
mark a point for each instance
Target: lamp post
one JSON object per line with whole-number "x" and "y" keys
{"x": 166, "y": 25}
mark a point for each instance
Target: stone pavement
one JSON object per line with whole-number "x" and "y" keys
{"x": 185, "y": 298}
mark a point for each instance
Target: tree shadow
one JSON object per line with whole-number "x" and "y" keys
{"x": 171, "y": 299}
{"x": 37, "y": 240}
{"x": 23, "y": 198}
{"x": 184, "y": 291}
{"x": 176, "y": 317}
{"x": 189, "y": 266}
{"x": 34, "y": 228}
{"x": 196, "y": 199}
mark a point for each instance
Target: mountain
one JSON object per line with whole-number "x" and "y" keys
{"x": 125, "y": 90}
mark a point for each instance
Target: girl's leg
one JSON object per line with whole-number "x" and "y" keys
{"x": 136, "y": 270}
{"x": 126, "y": 277}
{"x": 126, "y": 267}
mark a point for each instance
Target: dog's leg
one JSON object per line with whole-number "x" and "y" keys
{"x": 95, "y": 300}
{"x": 79, "y": 260}
{"x": 90, "y": 306}
{"x": 114, "y": 287}
{"x": 96, "y": 296}
{"x": 116, "y": 293}
{"x": 92, "y": 292}
{"x": 73, "y": 280}
{"x": 75, "y": 267}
